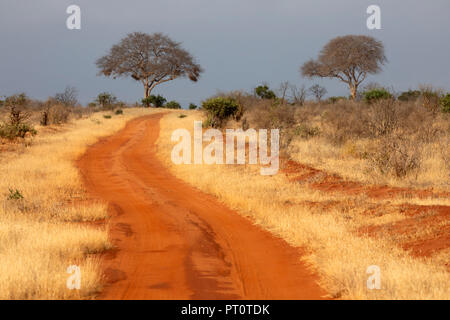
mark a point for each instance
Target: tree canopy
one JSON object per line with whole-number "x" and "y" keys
{"x": 349, "y": 58}
{"x": 151, "y": 59}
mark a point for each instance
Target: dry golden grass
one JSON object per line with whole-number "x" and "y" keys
{"x": 344, "y": 161}
{"x": 40, "y": 235}
{"x": 329, "y": 231}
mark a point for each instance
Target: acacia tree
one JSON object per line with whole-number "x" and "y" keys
{"x": 349, "y": 58}
{"x": 318, "y": 91}
{"x": 151, "y": 59}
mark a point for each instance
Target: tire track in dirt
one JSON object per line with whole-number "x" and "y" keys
{"x": 175, "y": 242}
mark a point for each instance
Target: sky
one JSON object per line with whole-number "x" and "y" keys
{"x": 239, "y": 43}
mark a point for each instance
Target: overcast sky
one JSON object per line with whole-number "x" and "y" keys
{"x": 239, "y": 43}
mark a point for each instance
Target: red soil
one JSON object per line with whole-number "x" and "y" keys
{"x": 175, "y": 242}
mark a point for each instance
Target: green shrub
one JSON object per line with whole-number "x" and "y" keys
{"x": 119, "y": 111}
{"x": 107, "y": 116}
{"x": 192, "y": 106}
{"x": 9, "y": 131}
{"x": 264, "y": 92}
{"x": 410, "y": 95}
{"x": 106, "y": 100}
{"x": 445, "y": 103}
{"x": 376, "y": 94}
{"x": 219, "y": 110}
{"x": 336, "y": 99}
{"x": 181, "y": 116}
{"x": 155, "y": 101}
{"x": 173, "y": 105}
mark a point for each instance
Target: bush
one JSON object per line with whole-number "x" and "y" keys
{"x": 219, "y": 110}
{"x": 334, "y": 100}
{"x": 17, "y": 127}
{"x": 382, "y": 117}
{"x": 9, "y": 131}
{"x": 192, "y": 106}
{"x": 306, "y": 132}
{"x": 430, "y": 98}
{"x": 173, "y": 105}
{"x": 155, "y": 101}
{"x": 107, "y": 116}
{"x": 374, "y": 95}
{"x": 106, "y": 100}
{"x": 67, "y": 98}
{"x": 181, "y": 116}
{"x": 410, "y": 95}
{"x": 119, "y": 112}
{"x": 17, "y": 100}
{"x": 59, "y": 114}
{"x": 265, "y": 93}
{"x": 396, "y": 156}
{"x": 445, "y": 103}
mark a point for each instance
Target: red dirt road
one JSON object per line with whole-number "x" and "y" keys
{"x": 175, "y": 242}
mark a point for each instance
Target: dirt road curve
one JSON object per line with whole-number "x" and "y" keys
{"x": 175, "y": 242}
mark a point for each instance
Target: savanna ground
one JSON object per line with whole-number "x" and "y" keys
{"x": 359, "y": 185}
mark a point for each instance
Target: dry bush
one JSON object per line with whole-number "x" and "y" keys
{"x": 382, "y": 117}
{"x": 396, "y": 155}
{"x": 430, "y": 97}
{"x": 444, "y": 146}
{"x": 59, "y": 114}
{"x": 343, "y": 121}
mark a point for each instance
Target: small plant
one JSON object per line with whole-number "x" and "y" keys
{"x": 181, "y": 116}
{"x": 192, "y": 106}
{"x": 173, "y": 105}
{"x": 374, "y": 95}
{"x": 119, "y": 112}
{"x": 107, "y": 116}
{"x": 219, "y": 110}
{"x": 445, "y": 103}
{"x": 14, "y": 195}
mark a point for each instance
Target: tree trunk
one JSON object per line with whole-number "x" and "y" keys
{"x": 353, "y": 91}
{"x": 147, "y": 88}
